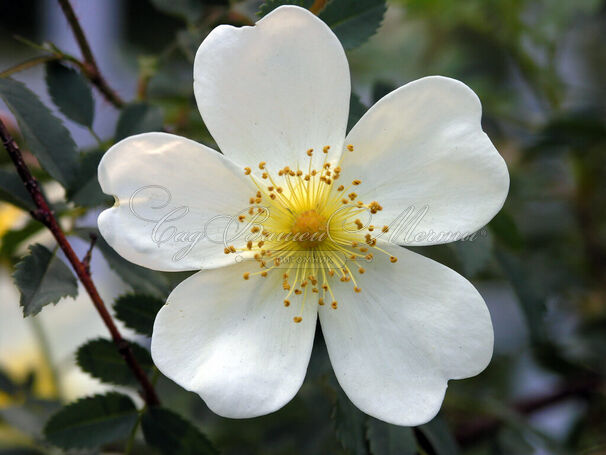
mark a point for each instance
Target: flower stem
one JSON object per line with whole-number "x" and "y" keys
{"x": 44, "y": 214}
{"x": 90, "y": 68}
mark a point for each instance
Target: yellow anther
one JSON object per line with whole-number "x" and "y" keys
{"x": 286, "y": 302}
{"x": 249, "y": 244}
{"x": 325, "y": 287}
{"x": 247, "y": 171}
{"x": 321, "y": 301}
{"x": 385, "y": 228}
{"x": 262, "y": 165}
{"x": 371, "y": 228}
{"x": 310, "y": 152}
{"x": 352, "y": 196}
{"x": 251, "y": 200}
{"x": 368, "y": 257}
{"x": 299, "y": 173}
{"x": 334, "y": 305}
{"x": 246, "y": 276}
{"x": 285, "y": 276}
{"x": 341, "y": 188}
{"x": 255, "y": 229}
{"x": 273, "y": 196}
{"x": 357, "y": 289}
{"x": 241, "y": 218}
{"x": 356, "y": 182}
{"x": 350, "y": 148}
{"x": 261, "y": 243}
{"x": 226, "y": 250}
{"x": 279, "y": 189}
{"x": 298, "y": 291}
{"x": 338, "y": 169}
{"x": 358, "y": 224}
{"x": 297, "y": 319}
{"x": 344, "y": 201}
{"x": 270, "y": 188}
{"x": 361, "y": 270}
{"x": 232, "y": 249}
{"x": 326, "y": 148}
{"x": 393, "y": 259}
{"x": 264, "y": 175}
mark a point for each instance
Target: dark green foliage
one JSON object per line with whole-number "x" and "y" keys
{"x": 92, "y": 422}
{"x": 439, "y": 437}
{"x": 171, "y": 434}
{"x": 350, "y": 424}
{"x": 13, "y": 191}
{"x": 100, "y": 358}
{"x": 45, "y": 135}
{"x": 354, "y": 21}
{"x": 387, "y": 439}
{"x": 71, "y": 93}
{"x": 138, "y": 311}
{"x": 85, "y": 190}
{"x": 269, "y": 5}
{"x": 188, "y": 10}
{"x": 43, "y": 278}
{"x": 138, "y": 118}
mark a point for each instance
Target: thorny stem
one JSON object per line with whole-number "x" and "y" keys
{"x": 44, "y": 214}
{"x": 89, "y": 66}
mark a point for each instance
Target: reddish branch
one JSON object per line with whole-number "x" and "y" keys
{"x": 44, "y": 214}
{"x": 89, "y": 65}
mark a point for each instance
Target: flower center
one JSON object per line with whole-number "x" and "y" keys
{"x": 310, "y": 229}
{"x": 305, "y": 226}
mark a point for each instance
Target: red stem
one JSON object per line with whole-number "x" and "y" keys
{"x": 44, "y": 214}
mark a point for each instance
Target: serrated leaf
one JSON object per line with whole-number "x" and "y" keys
{"x": 71, "y": 93}
{"x": 45, "y": 135}
{"x": 171, "y": 434}
{"x": 387, "y": 439}
{"x": 13, "y": 191}
{"x": 440, "y": 437}
{"x": 354, "y": 21}
{"x": 474, "y": 254}
{"x": 91, "y": 422}
{"x": 43, "y": 278}
{"x": 100, "y": 358}
{"x": 85, "y": 190}
{"x": 356, "y": 110}
{"x": 138, "y": 118}
{"x": 271, "y": 5}
{"x": 138, "y": 312}
{"x": 350, "y": 424}
{"x": 142, "y": 280}
{"x": 188, "y": 10}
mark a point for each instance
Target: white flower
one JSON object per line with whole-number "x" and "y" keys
{"x": 275, "y": 97}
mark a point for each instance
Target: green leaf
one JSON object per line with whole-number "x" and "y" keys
{"x": 6, "y": 383}
{"x": 474, "y": 254}
{"x": 350, "y": 424}
{"x": 13, "y": 191}
{"x": 271, "y": 5}
{"x": 91, "y": 422}
{"x": 43, "y": 278}
{"x": 138, "y": 312}
{"x": 71, "y": 93}
{"x": 387, "y": 439}
{"x": 20, "y": 451}
{"x": 440, "y": 437}
{"x": 142, "y": 280}
{"x": 354, "y": 21}
{"x": 45, "y": 135}
{"x": 100, "y": 358}
{"x": 356, "y": 111}
{"x": 188, "y": 10}
{"x": 85, "y": 189}
{"x": 171, "y": 434}
{"x": 504, "y": 228}
{"x": 139, "y": 118}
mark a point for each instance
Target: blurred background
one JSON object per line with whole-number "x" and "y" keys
{"x": 539, "y": 67}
